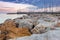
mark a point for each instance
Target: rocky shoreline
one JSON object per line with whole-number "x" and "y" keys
{"x": 30, "y": 25}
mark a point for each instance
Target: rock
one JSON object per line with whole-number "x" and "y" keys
{"x": 11, "y": 31}
{"x": 34, "y": 19}
{"x": 54, "y": 35}
{"x": 23, "y": 16}
{"x": 24, "y": 23}
{"x": 0, "y": 29}
{"x": 11, "y": 28}
{"x": 23, "y": 32}
{"x": 6, "y": 27}
{"x": 50, "y": 35}
{"x": 2, "y": 36}
{"x": 9, "y": 23}
{"x": 32, "y": 37}
{"x": 3, "y": 28}
{"x": 18, "y": 32}
{"x": 58, "y": 25}
{"x": 48, "y": 19}
{"x": 43, "y": 26}
{"x": 11, "y": 35}
{"x": 39, "y": 29}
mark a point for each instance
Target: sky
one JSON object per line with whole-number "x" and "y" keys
{"x": 39, "y": 3}
{"x": 29, "y": 5}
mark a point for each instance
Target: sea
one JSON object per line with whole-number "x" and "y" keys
{"x": 5, "y": 16}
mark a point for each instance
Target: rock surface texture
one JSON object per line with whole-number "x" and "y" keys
{"x": 31, "y": 27}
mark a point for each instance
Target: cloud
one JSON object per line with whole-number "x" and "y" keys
{"x": 51, "y": 9}
{"x": 14, "y": 7}
{"x": 8, "y": 7}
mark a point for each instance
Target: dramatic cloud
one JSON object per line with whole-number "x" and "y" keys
{"x": 14, "y": 7}
{"x": 8, "y": 7}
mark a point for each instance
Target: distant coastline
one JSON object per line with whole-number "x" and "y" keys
{"x": 35, "y": 13}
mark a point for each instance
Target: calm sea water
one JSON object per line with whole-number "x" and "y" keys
{"x": 3, "y": 17}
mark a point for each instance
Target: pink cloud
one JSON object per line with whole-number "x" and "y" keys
{"x": 7, "y": 10}
{"x": 14, "y": 7}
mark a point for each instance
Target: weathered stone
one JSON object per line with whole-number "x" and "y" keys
{"x": 24, "y": 23}
{"x": 9, "y": 28}
{"x": 23, "y": 32}
{"x": 18, "y": 32}
{"x": 32, "y": 37}
{"x": 57, "y": 25}
{"x": 9, "y": 23}
{"x": 54, "y": 35}
{"x": 2, "y": 36}
{"x": 39, "y": 29}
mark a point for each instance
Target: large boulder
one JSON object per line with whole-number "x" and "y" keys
{"x": 43, "y": 26}
{"x": 24, "y": 23}
{"x": 50, "y": 35}
{"x": 11, "y": 31}
{"x": 9, "y": 23}
{"x": 32, "y": 37}
{"x": 39, "y": 29}
{"x": 18, "y": 32}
